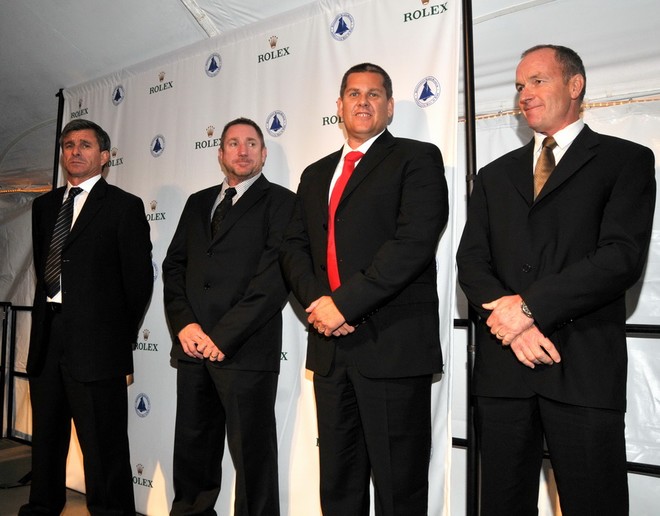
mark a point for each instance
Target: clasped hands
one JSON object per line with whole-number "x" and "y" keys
{"x": 325, "y": 318}
{"x": 197, "y": 344}
{"x": 513, "y": 328}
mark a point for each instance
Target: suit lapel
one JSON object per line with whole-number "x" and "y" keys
{"x": 520, "y": 172}
{"x": 380, "y": 149}
{"x": 578, "y": 154}
{"x": 92, "y": 205}
{"x": 205, "y": 207}
{"x": 322, "y": 185}
{"x": 244, "y": 204}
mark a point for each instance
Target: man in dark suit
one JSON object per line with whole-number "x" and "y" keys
{"x": 94, "y": 280}
{"x": 366, "y": 273}
{"x": 224, "y": 294}
{"x": 546, "y": 266}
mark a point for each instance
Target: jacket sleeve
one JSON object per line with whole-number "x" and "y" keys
{"x": 135, "y": 258}
{"x": 476, "y": 271}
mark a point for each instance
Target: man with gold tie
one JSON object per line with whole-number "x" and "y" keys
{"x": 557, "y": 231}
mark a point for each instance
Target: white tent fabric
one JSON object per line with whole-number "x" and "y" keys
{"x": 617, "y": 41}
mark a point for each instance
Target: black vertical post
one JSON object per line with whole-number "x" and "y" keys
{"x": 58, "y": 131}
{"x": 472, "y": 476}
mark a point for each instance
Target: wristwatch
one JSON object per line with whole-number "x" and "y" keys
{"x": 525, "y": 309}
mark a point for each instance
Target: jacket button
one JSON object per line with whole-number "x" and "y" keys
{"x": 323, "y": 267}
{"x": 527, "y": 268}
{"x": 207, "y": 286}
{"x": 325, "y": 227}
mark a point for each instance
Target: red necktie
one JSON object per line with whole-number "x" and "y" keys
{"x": 347, "y": 170}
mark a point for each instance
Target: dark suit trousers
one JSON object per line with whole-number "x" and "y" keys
{"x": 372, "y": 426}
{"x": 210, "y": 399}
{"x": 587, "y": 451}
{"x": 100, "y": 412}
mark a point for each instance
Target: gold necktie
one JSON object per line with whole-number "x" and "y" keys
{"x": 545, "y": 165}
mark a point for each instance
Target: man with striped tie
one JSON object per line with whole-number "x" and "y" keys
{"x": 92, "y": 258}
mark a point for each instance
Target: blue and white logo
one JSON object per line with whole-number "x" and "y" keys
{"x": 157, "y": 145}
{"x": 118, "y": 95}
{"x": 276, "y": 123}
{"x": 342, "y": 26}
{"x": 427, "y": 91}
{"x": 142, "y": 405}
{"x": 213, "y": 64}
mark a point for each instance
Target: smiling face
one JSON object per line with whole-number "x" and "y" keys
{"x": 242, "y": 154}
{"x": 547, "y": 100}
{"x": 364, "y": 107}
{"x": 82, "y": 156}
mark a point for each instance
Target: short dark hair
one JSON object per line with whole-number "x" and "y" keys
{"x": 242, "y": 121}
{"x": 80, "y": 124}
{"x": 367, "y": 67}
{"x": 569, "y": 60}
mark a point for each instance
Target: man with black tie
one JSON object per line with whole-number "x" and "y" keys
{"x": 359, "y": 254}
{"x": 92, "y": 257}
{"x": 557, "y": 231}
{"x": 224, "y": 294}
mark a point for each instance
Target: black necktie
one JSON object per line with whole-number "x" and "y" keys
{"x": 221, "y": 210}
{"x": 61, "y": 231}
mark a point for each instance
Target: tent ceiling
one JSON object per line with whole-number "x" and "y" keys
{"x": 45, "y": 46}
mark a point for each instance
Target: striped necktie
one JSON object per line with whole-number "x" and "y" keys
{"x": 61, "y": 231}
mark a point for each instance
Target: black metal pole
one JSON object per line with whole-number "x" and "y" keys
{"x": 472, "y": 476}
{"x": 58, "y": 131}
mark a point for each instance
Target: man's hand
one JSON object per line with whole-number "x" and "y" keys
{"x": 531, "y": 347}
{"x": 327, "y": 319}
{"x": 197, "y": 344}
{"x": 507, "y": 320}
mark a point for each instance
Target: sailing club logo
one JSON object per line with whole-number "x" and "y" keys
{"x": 157, "y": 145}
{"x": 427, "y": 91}
{"x": 118, "y": 95}
{"x": 342, "y": 26}
{"x": 142, "y": 405}
{"x": 213, "y": 65}
{"x": 276, "y": 123}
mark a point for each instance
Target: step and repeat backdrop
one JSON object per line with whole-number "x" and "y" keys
{"x": 165, "y": 117}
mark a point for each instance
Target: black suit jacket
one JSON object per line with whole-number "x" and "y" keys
{"x": 571, "y": 255}
{"x": 107, "y": 280}
{"x": 231, "y": 285}
{"x": 388, "y": 223}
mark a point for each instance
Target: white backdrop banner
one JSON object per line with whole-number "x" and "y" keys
{"x": 165, "y": 117}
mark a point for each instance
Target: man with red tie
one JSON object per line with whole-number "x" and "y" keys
{"x": 359, "y": 254}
